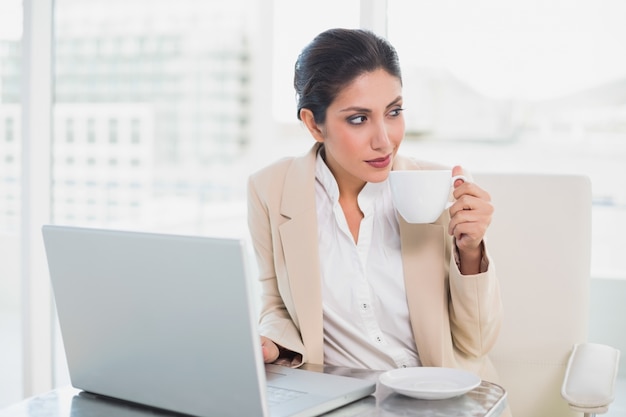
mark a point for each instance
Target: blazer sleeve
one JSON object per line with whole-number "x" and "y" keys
{"x": 475, "y": 308}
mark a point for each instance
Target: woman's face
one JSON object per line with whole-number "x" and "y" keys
{"x": 363, "y": 129}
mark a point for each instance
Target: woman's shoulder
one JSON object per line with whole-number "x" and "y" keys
{"x": 270, "y": 178}
{"x": 296, "y": 166}
{"x": 406, "y": 162}
{"x": 278, "y": 166}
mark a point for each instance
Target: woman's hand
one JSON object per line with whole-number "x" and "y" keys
{"x": 470, "y": 216}
{"x": 270, "y": 350}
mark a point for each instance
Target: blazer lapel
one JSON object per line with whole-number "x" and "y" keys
{"x": 424, "y": 260}
{"x": 424, "y": 272}
{"x": 299, "y": 239}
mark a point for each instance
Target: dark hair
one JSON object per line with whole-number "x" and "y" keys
{"x": 334, "y": 59}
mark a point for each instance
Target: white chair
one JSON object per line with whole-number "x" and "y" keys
{"x": 540, "y": 240}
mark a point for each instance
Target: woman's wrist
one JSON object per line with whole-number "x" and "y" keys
{"x": 470, "y": 260}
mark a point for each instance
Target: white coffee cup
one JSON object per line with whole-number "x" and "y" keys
{"x": 420, "y": 196}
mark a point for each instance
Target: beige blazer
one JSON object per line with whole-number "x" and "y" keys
{"x": 455, "y": 319}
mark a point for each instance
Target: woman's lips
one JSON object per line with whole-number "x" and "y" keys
{"x": 380, "y": 162}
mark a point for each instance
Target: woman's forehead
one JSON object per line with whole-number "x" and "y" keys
{"x": 377, "y": 88}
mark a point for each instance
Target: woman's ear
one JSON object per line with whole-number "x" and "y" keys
{"x": 308, "y": 119}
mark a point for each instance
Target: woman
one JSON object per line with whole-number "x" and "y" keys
{"x": 345, "y": 281}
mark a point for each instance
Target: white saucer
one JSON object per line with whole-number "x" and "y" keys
{"x": 430, "y": 383}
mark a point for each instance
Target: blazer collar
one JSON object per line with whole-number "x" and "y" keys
{"x": 298, "y": 190}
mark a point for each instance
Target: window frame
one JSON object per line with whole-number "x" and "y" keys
{"x": 36, "y": 299}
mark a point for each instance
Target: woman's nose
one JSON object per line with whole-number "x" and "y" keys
{"x": 380, "y": 137}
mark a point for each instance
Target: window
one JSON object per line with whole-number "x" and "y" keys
{"x": 157, "y": 96}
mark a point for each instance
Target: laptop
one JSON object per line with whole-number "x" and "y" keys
{"x": 168, "y": 321}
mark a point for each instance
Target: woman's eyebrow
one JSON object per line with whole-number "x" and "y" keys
{"x": 394, "y": 102}
{"x": 355, "y": 109}
{"x": 366, "y": 110}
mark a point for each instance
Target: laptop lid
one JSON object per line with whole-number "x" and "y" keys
{"x": 167, "y": 321}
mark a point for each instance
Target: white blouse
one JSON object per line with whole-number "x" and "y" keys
{"x": 366, "y": 317}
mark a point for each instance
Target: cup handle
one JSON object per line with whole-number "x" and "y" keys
{"x": 458, "y": 177}
{"x": 452, "y": 181}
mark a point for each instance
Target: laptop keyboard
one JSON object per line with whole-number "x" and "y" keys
{"x": 277, "y": 396}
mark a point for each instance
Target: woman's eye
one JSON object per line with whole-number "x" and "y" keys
{"x": 357, "y": 120}
{"x": 396, "y": 112}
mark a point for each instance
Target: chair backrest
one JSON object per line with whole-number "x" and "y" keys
{"x": 540, "y": 240}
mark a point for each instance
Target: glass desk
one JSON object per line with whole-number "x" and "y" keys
{"x": 487, "y": 400}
